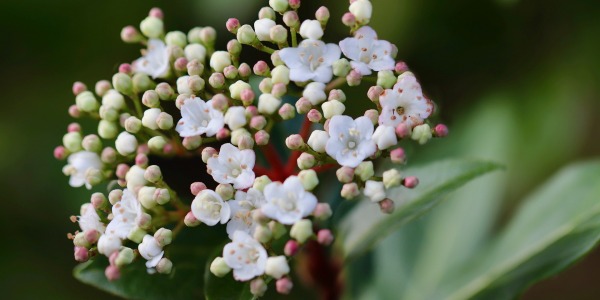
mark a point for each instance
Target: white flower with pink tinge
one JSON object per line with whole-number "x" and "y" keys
{"x": 241, "y": 211}
{"x": 233, "y": 166}
{"x": 311, "y": 60}
{"x": 367, "y": 52}
{"x": 245, "y": 256}
{"x": 155, "y": 61}
{"x": 89, "y": 219}
{"x": 404, "y": 103}
{"x": 199, "y": 117}
{"x": 151, "y": 251}
{"x": 288, "y": 202}
{"x": 210, "y": 208}
{"x": 350, "y": 141}
{"x": 79, "y": 163}
{"x": 125, "y": 212}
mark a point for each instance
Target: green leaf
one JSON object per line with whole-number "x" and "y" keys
{"x": 556, "y": 226}
{"x": 366, "y": 225}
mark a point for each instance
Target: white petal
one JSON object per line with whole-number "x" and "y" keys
{"x": 291, "y": 57}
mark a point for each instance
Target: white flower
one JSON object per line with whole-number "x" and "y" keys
{"x": 199, "y": 117}
{"x": 89, "y": 219}
{"x": 289, "y": 202}
{"x": 311, "y": 29}
{"x": 210, "y": 208}
{"x": 151, "y": 251}
{"x": 404, "y": 103}
{"x": 241, "y": 211}
{"x": 375, "y": 190}
{"x": 311, "y": 60}
{"x": 318, "y": 140}
{"x": 125, "y": 212}
{"x": 315, "y": 92}
{"x": 126, "y": 143}
{"x": 362, "y": 10}
{"x": 385, "y": 137}
{"x": 235, "y": 117}
{"x": 135, "y": 178}
{"x": 245, "y": 256}
{"x": 350, "y": 140}
{"x": 155, "y": 62}
{"x": 233, "y": 165}
{"x": 262, "y": 28}
{"x": 109, "y": 243}
{"x": 81, "y": 162}
{"x": 182, "y": 85}
{"x": 367, "y": 52}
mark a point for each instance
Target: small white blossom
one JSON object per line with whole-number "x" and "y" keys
{"x": 89, "y": 219}
{"x": 350, "y": 140}
{"x": 375, "y": 190}
{"x": 311, "y": 60}
{"x": 233, "y": 165}
{"x": 199, "y": 117}
{"x": 404, "y": 103}
{"x": 155, "y": 62}
{"x": 367, "y": 52}
{"x": 125, "y": 212}
{"x": 385, "y": 137}
{"x": 126, "y": 143}
{"x": 289, "y": 202}
{"x": 262, "y": 28}
{"x": 235, "y": 117}
{"x": 109, "y": 243}
{"x": 315, "y": 92}
{"x": 311, "y": 29}
{"x": 210, "y": 208}
{"x": 151, "y": 251}
{"x": 241, "y": 211}
{"x": 81, "y": 162}
{"x": 245, "y": 256}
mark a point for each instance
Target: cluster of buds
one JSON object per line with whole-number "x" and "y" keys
{"x": 184, "y": 98}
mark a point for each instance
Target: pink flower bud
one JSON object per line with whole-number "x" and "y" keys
{"x": 247, "y": 96}
{"x": 326, "y": 125}
{"x": 216, "y": 80}
{"x": 350, "y": 190}
{"x": 262, "y": 137}
{"x": 386, "y": 206}
{"x": 402, "y": 130}
{"x": 122, "y": 170}
{"x": 130, "y": 35}
{"x": 91, "y": 236}
{"x": 291, "y": 19}
{"x": 322, "y": 15}
{"x": 325, "y": 237}
{"x": 79, "y": 87}
{"x": 141, "y": 160}
{"x": 190, "y": 220}
{"x": 113, "y": 258}
{"x": 234, "y": 47}
{"x": 286, "y": 111}
{"x": 74, "y": 111}
{"x": 244, "y": 70}
{"x": 81, "y": 254}
{"x": 219, "y": 102}
{"x": 291, "y": 248}
{"x": 125, "y": 68}
{"x": 284, "y": 285}
{"x": 373, "y": 115}
{"x": 112, "y": 272}
{"x": 261, "y": 68}
{"x": 303, "y": 105}
{"x": 230, "y": 72}
{"x": 348, "y": 19}
{"x": 223, "y": 134}
{"x": 410, "y": 182}
{"x": 60, "y": 153}
{"x": 143, "y": 148}
{"x": 314, "y": 116}
{"x": 322, "y": 211}
{"x": 245, "y": 142}
{"x": 168, "y": 149}
{"x": 258, "y": 122}
{"x": 98, "y": 201}
{"x": 207, "y": 153}
{"x": 251, "y": 111}
{"x": 102, "y": 87}
{"x": 156, "y": 12}
{"x": 354, "y": 78}
{"x": 278, "y": 90}
{"x": 441, "y": 130}
{"x": 232, "y": 25}
{"x": 398, "y": 156}
{"x": 181, "y": 64}
{"x": 401, "y": 67}
{"x": 374, "y": 93}
{"x": 197, "y": 187}
{"x": 345, "y": 174}
{"x": 294, "y": 141}
{"x": 294, "y": 4}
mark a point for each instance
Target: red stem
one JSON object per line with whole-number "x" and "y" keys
{"x": 276, "y": 166}
{"x": 260, "y": 170}
{"x": 304, "y": 132}
{"x": 324, "y": 168}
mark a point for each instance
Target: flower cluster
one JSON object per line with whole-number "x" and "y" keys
{"x": 184, "y": 98}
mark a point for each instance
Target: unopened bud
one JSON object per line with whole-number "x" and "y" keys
{"x": 309, "y": 179}
{"x": 325, "y": 237}
{"x": 291, "y": 248}
{"x": 410, "y": 182}
{"x": 262, "y": 137}
{"x": 260, "y": 182}
{"x": 230, "y": 72}
{"x": 164, "y": 266}
{"x": 391, "y": 178}
{"x": 301, "y": 230}
{"x": 112, "y": 273}
{"x": 246, "y": 35}
{"x": 258, "y": 287}
{"x": 374, "y": 92}
{"x": 124, "y": 257}
{"x": 403, "y": 130}
{"x": 152, "y": 27}
{"x": 219, "y": 267}
{"x": 130, "y": 35}
{"x": 441, "y": 130}
{"x": 421, "y": 133}
{"x": 294, "y": 142}
{"x": 192, "y": 142}
{"x": 284, "y": 285}
{"x": 386, "y": 79}
{"x": 263, "y": 234}
{"x": 401, "y": 67}
{"x": 354, "y": 78}
{"x": 157, "y": 144}
{"x": 314, "y": 116}
{"x": 115, "y": 196}
{"x": 374, "y": 190}
{"x": 232, "y": 25}
{"x": 207, "y": 153}
{"x": 190, "y": 220}
{"x": 225, "y": 190}
{"x": 303, "y": 105}
{"x": 122, "y": 83}
{"x": 291, "y": 19}
{"x": 348, "y": 19}
{"x": 163, "y": 236}
{"x": 350, "y": 191}
{"x": 386, "y": 206}
{"x": 277, "y": 266}
{"x": 86, "y": 101}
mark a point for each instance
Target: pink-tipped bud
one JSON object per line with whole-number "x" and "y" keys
{"x": 287, "y": 111}
{"x": 74, "y": 111}
{"x": 102, "y": 87}
{"x": 181, "y": 64}
{"x": 125, "y": 68}
{"x": 208, "y": 152}
{"x": 373, "y": 115}
{"x": 294, "y": 141}
{"x": 168, "y": 149}
{"x": 374, "y": 93}
{"x": 130, "y": 35}
{"x": 91, "y": 236}
{"x": 216, "y": 80}
{"x": 403, "y": 130}
{"x": 314, "y": 116}
{"x": 326, "y": 125}
{"x": 197, "y": 187}
{"x": 349, "y": 19}
{"x": 112, "y": 259}
{"x": 278, "y": 90}
{"x": 262, "y": 137}
{"x": 258, "y": 122}
{"x": 350, "y": 191}
{"x": 247, "y": 97}
{"x": 98, "y": 201}
{"x": 232, "y": 25}
{"x": 322, "y": 211}
{"x": 441, "y": 130}
{"x": 81, "y": 254}
{"x": 291, "y": 248}
{"x": 251, "y": 111}
{"x": 112, "y": 272}
{"x": 345, "y": 174}
{"x": 386, "y": 206}
{"x": 284, "y": 285}
{"x": 79, "y": 87}
{"x": 398, "y": 156}
{"x": 143, "y": 149}
{"x": 401, "y": 67}
{"x": 410, "y": 182}
{"x": 60, "y": 153}
{"x": 230, "y": 72}
{"x": 294, "y": 4}
{"x": 219, "y": 102}
{"x": 190, "y": 220}
{"x": 223, "y": 134}
{"x": 244, "y": 70}
{"x": 156, "y": 12}
{"x": 354, "y": 78}
{"x": 122, "y": 170}
{"x": 325, "y": 237}
{"x": 303, "y": 105}
{"x": 234, "y": 47}
{"x": 261, "y": 68}
{"x": 245, "y": 142}
{"x": 322, "y": 15}
{"x": 144, "y": 221}
{"x": 141, "y": 160}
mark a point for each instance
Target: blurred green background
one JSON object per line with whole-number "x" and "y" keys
{"x": 517, "y": 82}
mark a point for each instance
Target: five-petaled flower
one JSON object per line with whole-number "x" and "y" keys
{"x": 246, "y": 256}
{"x": 367, "y": 52}
{"x": 404, "y": 103}
{"x": 233, "y": 165}
{"x": 155, "y": 61}
{"x": 199, "y": 117}
{"x": 311, "y": 60}
{"x": 350, "y": 141}
{"x": 288, "y": 202}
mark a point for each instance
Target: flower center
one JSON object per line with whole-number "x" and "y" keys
{"x": 400, "y": 110}
{"x": 351, "y": 144}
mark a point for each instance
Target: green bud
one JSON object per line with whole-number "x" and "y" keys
{"x": 80, "y": 239}
{"x": 72, "y": 141}
{"x": 236, "y": 89}
{"x": 278, "y": 34}
{"x": 86, "y": 101}
{"x": 123, "y": 83}
{"x": 341, "y": 67}
{"x": 146, "y": 196}
{"x": 263, "y": 234}
{"x": 386, "y": 79}
{"x": 194, "y": 35}
{"x": 279, "y": 6}
{"x": 309, "y": 179}
{"x": 302, "y": 230}
{"x": 225, "y": 190}
{"x": 391, "y": 178}
{"x": 176, "y": 38}
{"x": 246, "y": 35}
{"x": 136, "y": 234}
{"x": 133, "y": 124}
{"x": 421, "y": 133}
{"x": 92, "y": 143}
{"x": 163, "y": 236}
{"x": 152, "y": 27}
{"x": 219, "y": 268}
{"x": 277, "y": 228}
{"x": 125, "y": 257}
{"x": 157, "y": 144}
{"x": 280, "y": 74}
{"x": 164, "y": 121}
{"x": 107, "y": 130}
{"x": 261, "y": 182}
{"x": 108, "y": 113}
{"x": 151, "y": 99}
{"x": 142, "y": 82}
{"x": 164, "y": 92}
{"x": 164, "y": 266}
{"x": 365, "y": 170}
